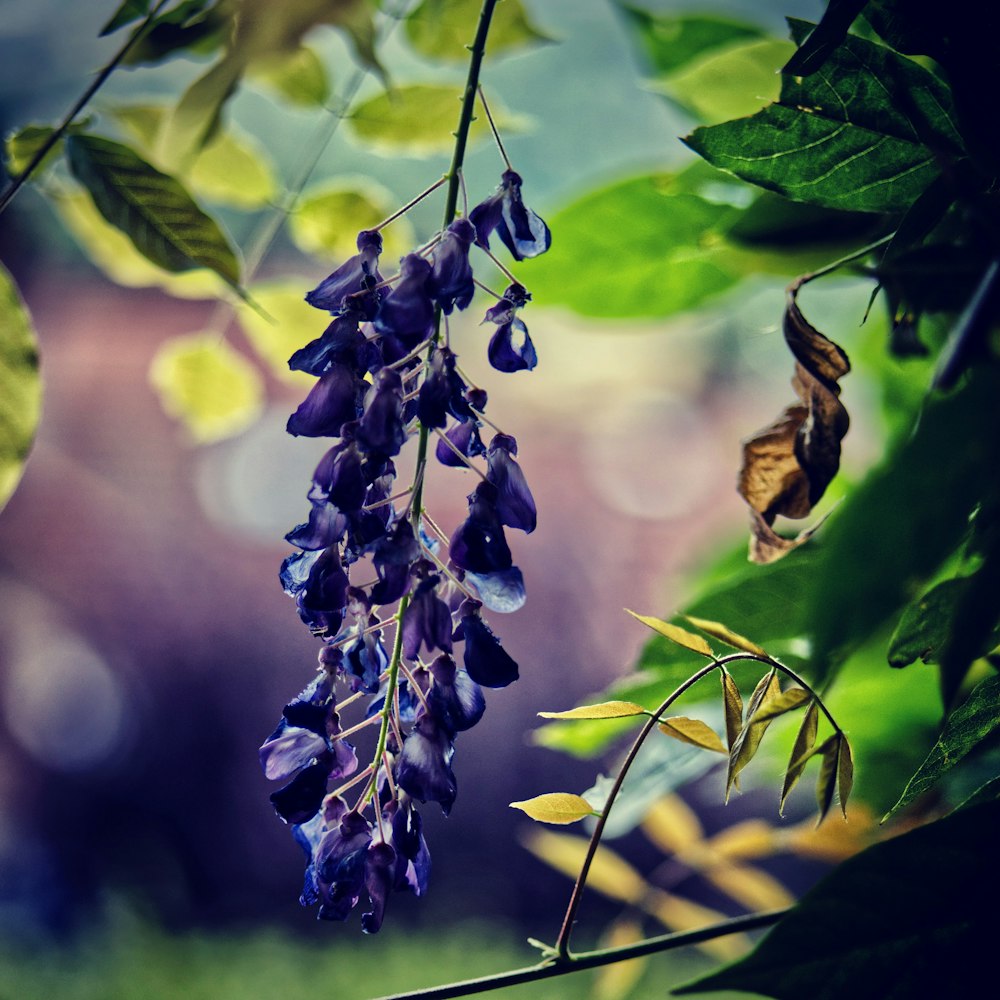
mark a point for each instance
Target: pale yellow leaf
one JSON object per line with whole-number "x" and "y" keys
{"x": 609, "y": 875}
{"x": 618, "y": 979}
{"x": 604, "y": 710}
{"x": 753, "y": 888}
{"x": 207, "y": 385}
{"x": 555, "y": 807}
{"x": 672, "y": 825}
{"x": 693, "y": 731}
{"x": 676, "y": 634}
{"x": 787, "y": 701}
{"x": 752, "y": 838}
{"x": 678, "y": 914}
{"x": 801, "y": 750}
{"x": 719, "y": 631}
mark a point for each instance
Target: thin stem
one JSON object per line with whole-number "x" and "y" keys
{"x": 486, "y": 288}
{"x": 562, "y": 942}
{"x": 493, "y": 257}
{"x": 60, "y": 130}
{"x": 465, "y": 458}
{"x": 594, "y": 959}
{"x": 839, "y": 263}
{"x": 496, "y": 134}
{"x": 413, "y": 201}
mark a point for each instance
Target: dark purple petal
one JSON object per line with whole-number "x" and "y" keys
{"x": 295, "y": 571}
{"x": 465, "y": 437}
{"x": 288, "y": 749}
{"x": 407, "y": 312}
{"x": 301, "y": 798}
{"x": 523, "y": 232}
{"x": 380, "y": 874}
{"x": 424, "y": 767}
{"x": 342, "y": 342}
{"x": 515, "y": 504}
{"x": 333, "y": 401}
{"x": 510, "y": 348}
{"x": 339, "y": 477}
{"x": 364, "y": 659}
{"x": 406, "y": 830}
{"x": 451, "y": 281}
{"x": 427, "y": 621}
{"x": 322, "y": 600}
{"x": 456, "y": 700}
{"x": 515, "y": 297}
{"x": 486, "y": 217}
{"x": 325, "y": 526}
{"x": 436, "y": 389}
{"x": 381, "y": 427}
{"x": 485, "y": 659}
{"x": 392, "y": 559}
{"x": 479, "y": 544}
{"x": 349, "y": 278}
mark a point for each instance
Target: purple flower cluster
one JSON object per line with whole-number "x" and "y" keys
{"x": 382, "y": 377}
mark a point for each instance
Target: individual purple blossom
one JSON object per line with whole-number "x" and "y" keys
{"x": 333, "y": 401}
{"x": 381, "y": 428}
{"x": 466, "y": 440}
{"x": 339, "y": 477}
{"x": 424, "y": 766}
{"x": 456, "y": 701}
{"x": 485, "y": 659}
{"x": 514, "y": 504}
{"x": 479, "y": 544}
{"x": 515, "y": 297}
{"x": 323, "y": 597}
{"x": 380, "y": 877}
{"x": 407, "y": 311}
{"x": 340, "y": 866}
{"x": 443, "y": 391}
{"x": 502, "y": 591}
{"x": 326, "y": 526}
{"x": 510, "y": 349}
{"x": 504, "y": 212}
{"x": 355, "y": 275}
{"x": 392, "y": 557}
{"x": 342, "y": 342}
{"x": 451, "y": 279}
{"x": 427, "y": 620}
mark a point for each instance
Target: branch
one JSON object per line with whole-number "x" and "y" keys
{"x": 593, "y": 959}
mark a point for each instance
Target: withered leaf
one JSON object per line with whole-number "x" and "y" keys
{"x": 805, "y": 740}
{"x": 676, "y": 634}
{"x": 732, "y": 703}
{"x": 787, "y": 701}
{"x": 788, "y": 465}
{"x": 845, "y": 773}
{"x": 605, "y": 710}
{"x": 746, "y": 744}
{"x": 826, "y": 785}
{"x": 693, "y": 731}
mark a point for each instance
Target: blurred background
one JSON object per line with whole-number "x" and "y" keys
{"x": 146, "y": 648}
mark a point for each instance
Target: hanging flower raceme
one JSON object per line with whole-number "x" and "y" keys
{"x": 397, "y": 605}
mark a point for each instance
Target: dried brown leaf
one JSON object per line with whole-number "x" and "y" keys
{"x": 788, "y": 465}
{"x": 805, "y": 740}
{"x": 693, "y": 731}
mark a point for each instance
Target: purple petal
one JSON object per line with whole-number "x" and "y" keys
{"x": 289, "y": 749}
{"x": 485, "y": 659}
{"x": 424, "y": 767}
{"x": 502, "y": 591}
{"x": 515, "y": 504}
{"x": 380, "y": 874}
{"x": 332, "y": 402}
{"x": 510, "y": 348}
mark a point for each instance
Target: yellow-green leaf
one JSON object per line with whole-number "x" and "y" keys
{"x": 693, "y": 731}
{"x": 743, "y": 749}
{"x": 152, "y": 208}
{"x": 328, "y": 218}
{"x": 442, "y": 29}
{"x": 719, "y": 631}
{"x": 207, "y": 385}
{"x": 605, "y": 710}
{"x": 826, "y": 784}
{"x": 419, "y": 119}
{"x": 845, "y": 773}
{"x": 805, "y": 739}
{"x": 672, "y": 825}
{"x": 732, "y": 704}
{"x": 22, "y": 145}
{"x": 555, "y": 807}
{"x": 113, "y": 252}
{"x": 290, "y": 323}
{"x": 298, "y": 76}
{"x": 676, "y": 634}
{"x": 609, "y": 873}
{"x": 787, "y": 701}
{"x": 20, "y": 387}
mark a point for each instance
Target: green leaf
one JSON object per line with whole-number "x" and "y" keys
{"x": 785, "y": 702}
{"x": 151, "y": 208}
{"x": 745, "y": 745}
{"x": 671, "y": 41}
{"x": 676, "y": 634}
{"x": 127, "y": 12}
{"x": 732, "y": 82}
{"x": 299, "y": 76}
{"x": 664, "y": 242}
{"x": 443, "y": 29}
{"x": 805, "y": 740}
{"x": 329, "y": 216}
{"x": 207, "y": 385}
{"x": 555, "y": 807}
{"x": 844, "y": 138}
{"x": 20, "y": 386}
{"x": 21, "y": 146}
{"x": 693, "y": 731}
{"x": 975, "y": 720}
{"x": 114, "y": 253}
{"x": 603, "y": 710}
{"x": 821, "y": 42}
{"x": 419, "y": 119}
{"x": 905, "y": 918}
{"x": 195, "y": 26}
{"x": 897, "y": 527}
{"x": 732, "y": 705}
